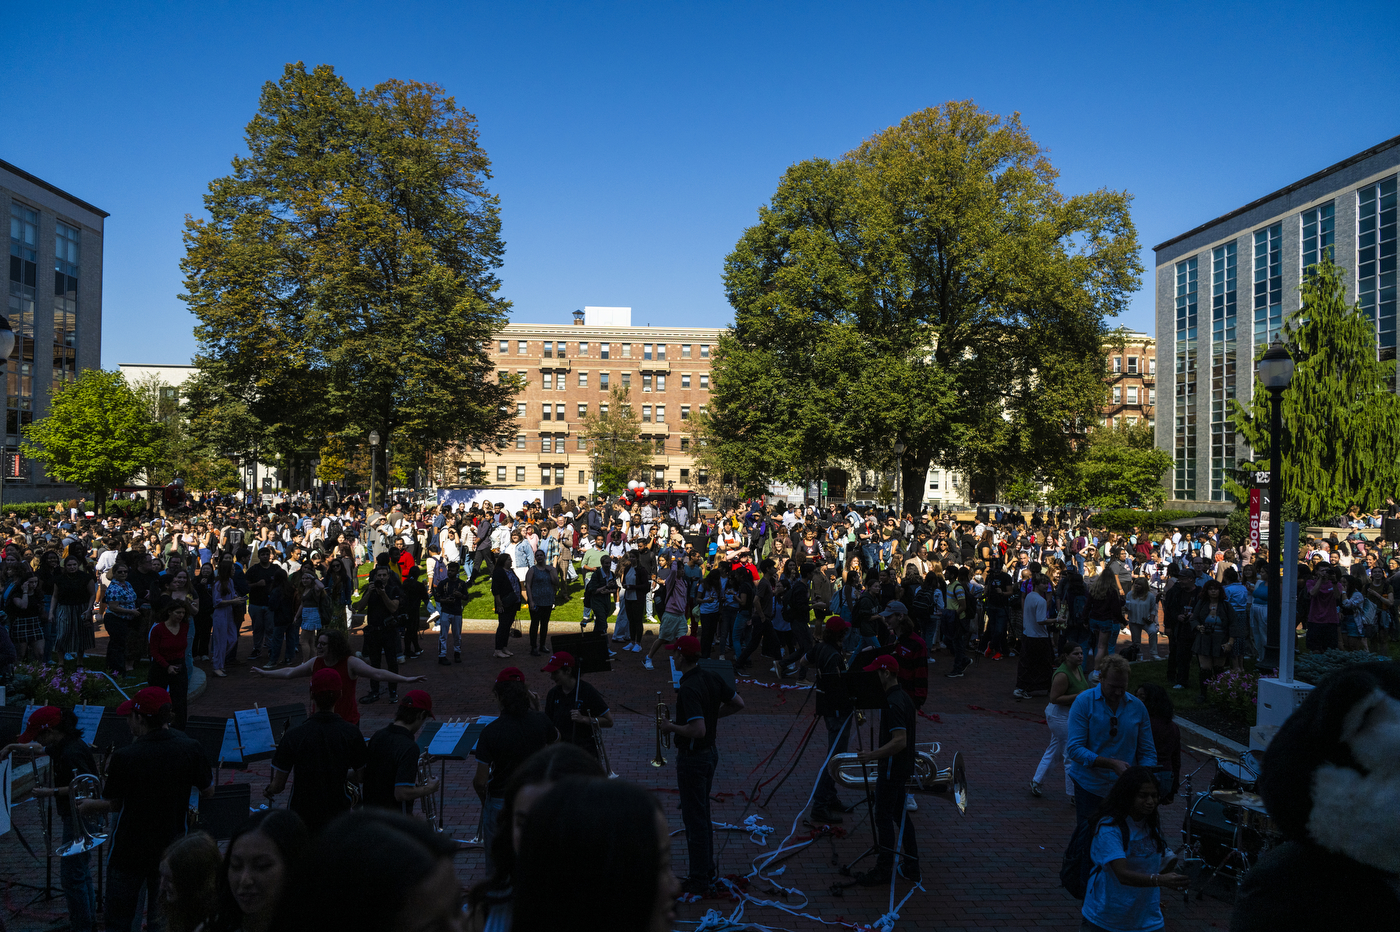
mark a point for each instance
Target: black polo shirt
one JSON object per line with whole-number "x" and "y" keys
{"x": 507, "y": 741}
{"x": 150, "y": 780}
{"x": 558, "y": 705}
{"x": 700, "y": 695}
{"x": 318, "y": 752}
{"x": 897, "y": 714}
{"x": 272, "y": 574}
{"x": 69, "y": 758}
{"x": 391, "y": 762}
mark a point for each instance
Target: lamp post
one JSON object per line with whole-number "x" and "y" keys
{"x": 373, "y": 463}
{"x": 7, "y": 344}
{"x": 898, "y": 477}
{"x": 1276, "y": 372}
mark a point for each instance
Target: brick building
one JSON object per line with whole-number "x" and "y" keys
{"x": 1132, "y": 378}
{"x": 569, "y": 370}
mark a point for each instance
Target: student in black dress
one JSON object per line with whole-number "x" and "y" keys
{"x": 391, "y": 764}
{"x": 575, "y": 707}
{"x": 895, "y": 754}
{"x": 519, "y": 731}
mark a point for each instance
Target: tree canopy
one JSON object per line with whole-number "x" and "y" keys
{"x": 933, "y": 287}
{"x": 1341, "y": 416}
{"x": 615, "y": 445}
{"x": 1120, "y": 467}
{"x": 97, "y": 435}
{"x": 345, "y": 277}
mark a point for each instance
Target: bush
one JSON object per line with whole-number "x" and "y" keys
{"x": 1125, "y": 519}
{"x": 1313, "y": 668}
{"x": 1234, "y": 692}
{"x": 51, "y": 684}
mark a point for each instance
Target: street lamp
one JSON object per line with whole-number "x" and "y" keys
{"x": 7, "y": 344}
{"x": 898, "y": 476}
{"x": 373, "y": 463}
{"x": 1276, "y": 372}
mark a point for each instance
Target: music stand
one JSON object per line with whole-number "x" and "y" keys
{"x": 221, "y": 814}
{"x": 461, "y": 750}
{"x": 209, "y": 731}
{"x": 590, "y": 651}
{"x": 10, "y": 722}
{"x": 863, "y": 691}
{"x": 285, "y": 717}
{"x": 724, "y": 669}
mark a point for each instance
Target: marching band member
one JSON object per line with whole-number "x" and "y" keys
{"x": 575, "y": 707}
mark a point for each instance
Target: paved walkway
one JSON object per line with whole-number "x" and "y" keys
{"x": 995, "y": 868}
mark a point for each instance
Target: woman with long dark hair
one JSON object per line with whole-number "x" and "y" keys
{"x": 189, "y": 882}
{"x": 601, "y": 850}
{"x": 202, "y": 587}
{"x": 1217, "y": 628}
{"x": 227, "y": 604}
{"x": 263, "y": 856}
{"x": 1125, "y": 883}
{"x": 505, "y": 589}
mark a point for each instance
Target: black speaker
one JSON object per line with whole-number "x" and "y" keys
{"x": 1390, "y": 528}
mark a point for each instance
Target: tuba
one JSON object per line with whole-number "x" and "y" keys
{"x": 425, "y": 773}
{"x": 848, "y": 770}
{"x": 88, "y": 831}
{"x": 663, "y": 738}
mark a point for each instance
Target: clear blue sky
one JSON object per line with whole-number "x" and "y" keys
{"x": 632, "y": 143}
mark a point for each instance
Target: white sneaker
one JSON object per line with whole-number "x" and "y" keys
{"x": 646, "y": 663}
{"x": 910, "y": 803}
{"x": 432, "y": 619}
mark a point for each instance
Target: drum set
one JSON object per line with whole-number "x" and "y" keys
{"x": 1227, "y": 828}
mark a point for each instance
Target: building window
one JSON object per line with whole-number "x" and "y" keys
{"x": 548, "y": 409}
{"x": 646, "y": 414}
{"x": 626, "y": 380}
{"x": 660, "y": 445}
{"x": 1132, "y": 395}
{"x": 501, "y": 375}
{"x": 520, "y": 474}
{"x": 1152, "y": 365}
{"x": 1268, "y": 284}
{"x": 67, "y": 246}
{"x": 1151, "y": 396}
{"x": 504, "y": 349}
{"x": 685, "y": 380}
{"x": 1132, "y": 420}
{"x": 685, "y": 444}
{"x": 546, "y": 443}
{"x": 1117, "y": 363}
{"x": 702, "y": 410}
{"x": 1184, "y": 481}
{"x": 660, "y": 382}
{"x": 685, "y": 350}
{"x": 520, "y": 441}
{"x": 933, "y": 483}
{"x": 23, "y": 300}
{"x": 561, "y": 381}
{"x": 582, "y": 410}
{"x": 548, "y": 349}
{"x": 685, "y": 477}
{"x": 704, "y": 351}
{"x": 685, "y": 412}
{"x": 1117, "y": 394}
{"x": 583, "y": 380}
{"x": 559, "y": 412}
{"x": 1222, "y": 367}
{"x": 1132, "y": 365}
{"x": 626, "y": 350}
{"x": 583, "y": 349}
{"x": 1375, "y": 258}
{"x": 602, "y": 381}
{"x": 603, "y": 410}
{"x": 704, "y": 381}
{"x": 549, "y": 381}
{"x": 1317, "y": 234}
{"x": 646, "y": 350}
{"x": 581, "y": 444}
{"x": 661, "y": 351}
{"x": 520, "y": 374}
{"x": 560, "y": 349}
{"x": 661, "y": 414}
{"x": 500, "y": 474}
{"x": 522, "y": 348}
{"x": 603, "y": 350}
{"x": 520, "y": 409}
{"x": 646, "y": 381}
{"x": 546, "y": 473}
{"x": 580, "y": 477}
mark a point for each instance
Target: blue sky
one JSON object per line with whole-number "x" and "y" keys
{"x": 632, "y": 143}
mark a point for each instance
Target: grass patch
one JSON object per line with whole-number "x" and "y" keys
{"x": 483, "y": 605}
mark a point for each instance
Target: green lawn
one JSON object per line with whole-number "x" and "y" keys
{"x": 482, "y": 605}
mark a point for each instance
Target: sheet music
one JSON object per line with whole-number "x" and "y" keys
{"x": 229, "y": 753}
{"x": 89, "y": 717}
{"x": 5, "y": 766}
{"x": 675, "y": 673}
{"x": 255, "y": 731}
{"x": 445, "y": 741}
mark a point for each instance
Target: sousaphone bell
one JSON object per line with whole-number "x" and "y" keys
{"x": 848, "y": 770}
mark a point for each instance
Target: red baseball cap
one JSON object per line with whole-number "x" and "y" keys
{"x": 148, "y": 701}
{"x": 558, "y": 660}
{"x": 687, "y": 645}
{"x": 883, "y": 662}
{"x": 326, "y": 680}
{"x": 418, "y": 699}
{"x": 41, "y": 720}
{"x": 510, "y": 675}
{"x": 837, "y": 623}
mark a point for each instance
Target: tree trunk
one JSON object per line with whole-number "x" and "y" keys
{"x": 913, "y": 473}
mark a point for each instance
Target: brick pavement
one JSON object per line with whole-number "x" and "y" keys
{"x": 995, "y": 868}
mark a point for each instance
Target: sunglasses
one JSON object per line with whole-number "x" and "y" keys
{"x": 1113, "y": 726}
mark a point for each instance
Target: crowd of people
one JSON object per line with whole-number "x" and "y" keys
{"x": 813, "y": 590}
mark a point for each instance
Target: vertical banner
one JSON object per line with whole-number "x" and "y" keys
{"x": 1255, "y": 539}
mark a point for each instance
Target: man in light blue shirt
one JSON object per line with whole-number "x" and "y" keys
{"x": 1109, "y": 732}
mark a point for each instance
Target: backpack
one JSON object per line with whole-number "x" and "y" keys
{"x": 1078, "y": 866}
{"x": 923, "y": 603}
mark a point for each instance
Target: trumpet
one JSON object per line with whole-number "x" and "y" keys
{"x": 663, "y": 738}
{"x": 848, "y": 770}
{"x": 425, "y": 773}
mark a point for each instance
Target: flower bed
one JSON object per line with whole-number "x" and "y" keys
{"x": 1312, "y": 668}
{"x": 1234, "y": 693}
{"x": 53, "y": 684}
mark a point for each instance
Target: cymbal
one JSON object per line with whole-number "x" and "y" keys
{"x": 1217, "y": 753}
{"x": 1252, "y": 801}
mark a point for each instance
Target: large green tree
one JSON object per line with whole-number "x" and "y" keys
{"x": 1341, "y": 416}
{"x": 1120, "y": 467}
{"x": 97, "y": 435}
{"x": 344, "y": 280}
{"x": 615, "y": 444}
{"x": 932, "y": 287}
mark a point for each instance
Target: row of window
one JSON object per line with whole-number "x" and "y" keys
{"x": 558, "y": 349}
{"x": 557, "y": 412}
{"x": 554, "y": 475}
{"x": 1117, "y": 365}
{"x": 557, "y": 443}
{"x": 552, "y": 380}
{"x": 1132, "y": 394}
{"x": 23, "y": 308}
{"x": 1130, "y": 420}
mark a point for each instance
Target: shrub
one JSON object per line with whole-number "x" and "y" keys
{"x": 1125, "y": 519}
{"x": 1313, "y": 668}
{"x": 51, "y": 684}
{"x": 1234, "y": 692}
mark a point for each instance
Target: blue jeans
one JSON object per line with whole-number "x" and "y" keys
{"x": 838, "y": 738}
{"x": 1085, "y": 803}
{"x": 490, "y": 815}
{"x": 124, "y": 894}
{"x": 741, "y": 621}
{"x": 261, "y": 617}
{"x": 861, "y": 644}
{"x": 282, "y": 643}
{"x": 75, "y": 876}
{"x": 995, "y": 635}
{"x": 695, "y": 774}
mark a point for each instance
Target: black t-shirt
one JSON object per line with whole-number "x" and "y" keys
{"x": 146, "y": 585}
{"x": 391, "y": 761}
{"x": 996, "y": 581}
{"x": 558, "y": 705}
{"x": 375, "y": 612}
{"x": 826, "y": 659}
{"x": 273, "y": 574}
{"x": 700, "y": 695}
{"x": 898, "y": 713}
{"x": 415, "y": 593}
{"x": 151, "y": 779}
{"x": 319, "y": 751}
{"x": 507, "y": 741}
{"x": 69, "y": 758}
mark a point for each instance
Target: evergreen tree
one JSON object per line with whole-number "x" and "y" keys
{"x": 1341, "y": 416}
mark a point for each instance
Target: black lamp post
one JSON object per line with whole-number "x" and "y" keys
{"x": 1276, "y": 372}
{"x": 373, "y": 463}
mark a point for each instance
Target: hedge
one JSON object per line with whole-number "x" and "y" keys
{"x": 28, "y": 508}
{"x": 1313, "y": 668}
{"x": 1125, "y": 519}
